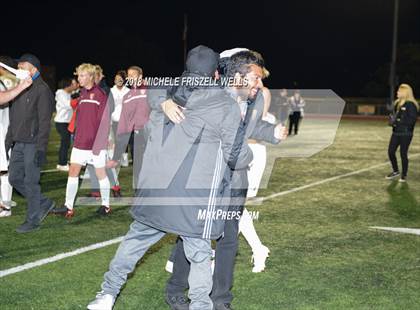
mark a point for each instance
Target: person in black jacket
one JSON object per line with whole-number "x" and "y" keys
{"x": 404, "y": 120}
{"x": 27, "y": 136}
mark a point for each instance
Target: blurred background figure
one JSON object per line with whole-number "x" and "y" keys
{"x": 281, "y": 105}
{"x": 296, "y": 105}
{"x": 118, "y": 91}
{"x": 63, "y": 97}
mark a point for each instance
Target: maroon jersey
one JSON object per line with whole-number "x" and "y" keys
{"x": 92, "y": 121}
{"x": 135, "y": 111}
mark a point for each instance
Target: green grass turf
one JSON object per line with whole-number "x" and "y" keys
{"x": 323, "y": 254}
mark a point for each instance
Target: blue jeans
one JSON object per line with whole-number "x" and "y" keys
{"x": 138, "y": 240}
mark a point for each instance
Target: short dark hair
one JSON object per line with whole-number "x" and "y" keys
{"x": 122, "y": 74}
{"x": 65, "y": 82}
{"x": 240, "y": 63}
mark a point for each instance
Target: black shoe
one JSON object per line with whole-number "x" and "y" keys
{"x": 27, "y": 227}
{"x": 403, "y": 179}
{"x": 226, "y": 306}
{"x": 59, "y": 211}
{"x": 43, "y": 214}
{"x": 177, "y": 302}
{"x": 103, "y": 210}
{"x": 392, "y": 175}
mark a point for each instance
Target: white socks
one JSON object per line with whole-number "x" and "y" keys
{"x": 71, "y": 191}
{"x": 6, "y": 189}
{"x": 246, "y": 227}
{"x": 104, "y": 189}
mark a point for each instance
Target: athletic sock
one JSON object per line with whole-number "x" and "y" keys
{"x": 104, "y": 188}
{"x": 6, "y": 189}
{"x": 71, "y": 191}
{"x": 246, "y": 227}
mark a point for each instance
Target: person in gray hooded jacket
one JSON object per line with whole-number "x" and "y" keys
{"x": 181, "y": 179}
{"x": 248, "y": 65}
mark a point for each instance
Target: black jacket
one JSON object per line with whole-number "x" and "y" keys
{"x": 406, "y": 117}
{"x": 30, "y": 116}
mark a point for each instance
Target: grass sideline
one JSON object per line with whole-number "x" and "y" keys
{"x": 323, "y": 254}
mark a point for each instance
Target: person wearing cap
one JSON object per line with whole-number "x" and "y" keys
{"x": 247, "y": 65}
{"x": 181, "y": 175}
{"x": 27, "y": 137}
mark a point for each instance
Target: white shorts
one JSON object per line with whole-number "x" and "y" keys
{"x": 84, "y": 157}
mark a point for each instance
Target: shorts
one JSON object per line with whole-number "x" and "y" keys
{"x": 84, "y": 157}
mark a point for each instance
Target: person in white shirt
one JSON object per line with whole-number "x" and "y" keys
{"x": 63, "y": 96}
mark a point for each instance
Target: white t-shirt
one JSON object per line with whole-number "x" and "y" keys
{"x": 118, "y": 95}
{"x": 63, "y": 107}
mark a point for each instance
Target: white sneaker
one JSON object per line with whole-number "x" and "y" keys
{"x": 5, "y": 212}
{"x": 169, "y": 267}
{"x": 259, "y": 257}
{"x": 64, "y": 168}
{"x": 102, "y": 302}
{"x": 124, "y": 160}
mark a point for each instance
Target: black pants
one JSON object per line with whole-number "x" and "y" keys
{"x": 226, "y": 249}
{"x": 24, "y": 176}
{"x": 64, "y": 143}
{"x": 403, "y": 141}
{"x": 294, "y": 120}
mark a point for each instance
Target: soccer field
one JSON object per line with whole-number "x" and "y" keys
{"x": 324, "y": 255}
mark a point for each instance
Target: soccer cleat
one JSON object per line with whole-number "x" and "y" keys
{"x": 177, "y": 302}
{"x": 392, "y": 175}
{"x": 403, "y": 179}
{"x": 64, "y": 211}
{"x": 102, "y": 302}
{"x": 95, "y": 194}
{"x": 116, "y": 191}
{"x": 104, "y": 210}
{"x": 4, "y": 211}
{"x": 259, "y": 257}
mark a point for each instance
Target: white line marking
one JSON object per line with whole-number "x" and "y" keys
{"x": 296, "y": 189}
{"x": 99, "y": 245}
{"x": 412, "y": 231}
{"x": 58, "y": 257}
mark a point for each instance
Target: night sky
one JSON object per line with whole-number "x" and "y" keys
{"x": 333, "y": 44}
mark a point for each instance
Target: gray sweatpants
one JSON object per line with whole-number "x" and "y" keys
{"x": 138, "y": 240}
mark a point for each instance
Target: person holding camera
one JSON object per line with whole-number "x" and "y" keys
{"x": 402, "y": 120}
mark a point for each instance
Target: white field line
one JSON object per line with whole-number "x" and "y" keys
{"x": 296, "y": 189}
{"x": 99, "y": 245}
{"x": 58, "y": 257}
{"x": 412, "y": 231}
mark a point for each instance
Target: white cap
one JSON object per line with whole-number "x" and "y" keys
{"x": 231, "y": 52}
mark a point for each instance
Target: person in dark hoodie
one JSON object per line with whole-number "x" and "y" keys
{"x": 181, "y": 177}
{"x": 27, "y": 136}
